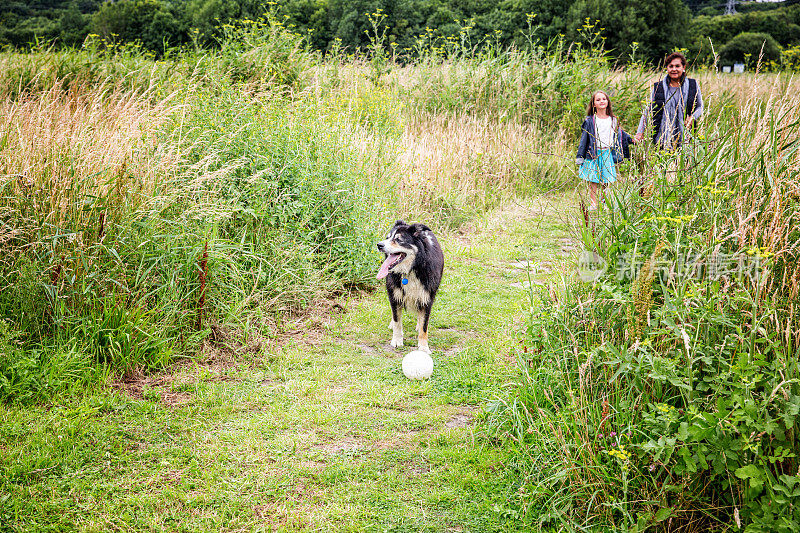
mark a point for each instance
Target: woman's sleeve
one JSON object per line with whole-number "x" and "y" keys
{"x": 582, "y": 145}
{"x": 646, "y": 113}
{"x": 698, "y": 110}
{"x": 626, "y": 141}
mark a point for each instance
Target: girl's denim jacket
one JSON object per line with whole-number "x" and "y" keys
{"x": 587, "y": 147}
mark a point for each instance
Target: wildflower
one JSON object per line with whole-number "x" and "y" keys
{"x": 620, "y": 453}
{"x": 612, "y": 434}
{"x": 664, "y": 408}
{"x": 764, "y": 253}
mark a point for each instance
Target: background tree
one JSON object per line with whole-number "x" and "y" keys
{"x": 782, "y": 23}
{"x": 149, "y": 22}
{"x": 207, "y": 16}
{"x": 73, "y": 26}
{"x": 405, "y": 20}
{"x": 63, "y": 21}
{"x": 658, "y": 26}
{"x": 511, "y": 18}
{"x": 309, "y": 18}
{"x": 21, "y": 24}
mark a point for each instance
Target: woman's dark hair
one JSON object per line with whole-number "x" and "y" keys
{"x": 673, "y": 56}
{"x": 590, "y": 108}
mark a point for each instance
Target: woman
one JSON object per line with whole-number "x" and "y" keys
{"x": 675, "y": 105}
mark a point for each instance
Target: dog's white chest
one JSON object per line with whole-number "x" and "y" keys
{"x": 413, "y": 293}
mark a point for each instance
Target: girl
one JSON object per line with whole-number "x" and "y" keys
{"x": 603, "y": 143}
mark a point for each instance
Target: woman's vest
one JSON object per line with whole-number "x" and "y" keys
{"x": 660, "y": 99}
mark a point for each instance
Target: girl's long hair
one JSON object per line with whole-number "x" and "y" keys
{"x": 590, "y": 108}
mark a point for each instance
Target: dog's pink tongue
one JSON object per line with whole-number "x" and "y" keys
{"x": 384, "y": 270}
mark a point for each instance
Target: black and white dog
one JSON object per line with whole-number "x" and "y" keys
{"x": 413, "y": 270}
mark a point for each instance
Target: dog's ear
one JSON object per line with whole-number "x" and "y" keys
{"x": 417, "y": 229}
{"x": 397, "y": 224}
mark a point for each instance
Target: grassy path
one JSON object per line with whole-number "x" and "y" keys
{"x": 319, "y": 431}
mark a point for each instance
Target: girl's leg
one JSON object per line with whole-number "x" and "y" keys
{"x": 593, "y": 194}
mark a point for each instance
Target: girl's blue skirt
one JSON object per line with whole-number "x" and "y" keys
{"x": 600, "y": 170}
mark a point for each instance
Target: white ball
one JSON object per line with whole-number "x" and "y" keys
{"x": 417, "y": 365}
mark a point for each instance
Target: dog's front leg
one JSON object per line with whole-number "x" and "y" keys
{"x": 396, "y": 325}
{"x": 423, "y": 315}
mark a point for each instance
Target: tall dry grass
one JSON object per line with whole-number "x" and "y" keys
{"x": 479, "y": 158}
{"x": 66, "y": 149}
{"x": 134, "y": 220}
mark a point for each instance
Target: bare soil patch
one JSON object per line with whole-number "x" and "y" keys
{"x": 458, "y": 421}
{"x": 344, "y": 446}
{"x": 418, "y": 468}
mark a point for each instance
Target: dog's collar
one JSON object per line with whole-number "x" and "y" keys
{"x": 405, "y": 281}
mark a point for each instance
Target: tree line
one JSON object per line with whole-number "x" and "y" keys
{"x": 650, "y": 27}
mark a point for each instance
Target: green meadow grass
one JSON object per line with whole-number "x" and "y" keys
{"x": 316, "y": 431}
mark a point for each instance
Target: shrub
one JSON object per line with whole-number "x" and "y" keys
{"x": 790, "y": 58}
{"x": 750, "y": 48}
{"x": 263, "y": 55}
